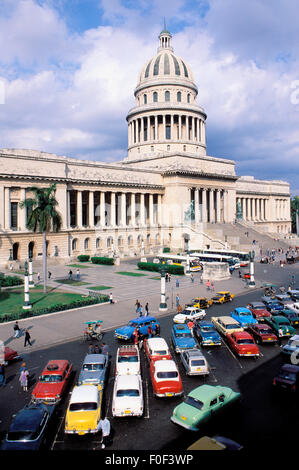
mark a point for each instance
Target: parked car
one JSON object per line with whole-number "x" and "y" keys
{"x": 127, "y": 397}
{"x": 206, "y": 334}
{"x": 156, "y": 349}
{"x": 278, "y": 322}
{"x": 222, "y": 297}
{"x": 244, "y": 316}
{"x": 272, "y": 304}
{"x": 262, "y": 333}
{"x": 287, "y": 378}
{"x": 182, "y": 338}
{"x": 292, "y": 316}
{"x": 84, "y": 410}
{"x": 294, "y": 294}
{"x": 225, "y": 325}
{"x": 10, "y": 355}
{"x": 201, "y": 404}
{"x": 94, "y": 370}
{"x": 165, "y": 377}
{"x": 294, "y": 307}
{"x": 28, "y": 429}
{"x": 126, "y": 332}
{"x": 245, "y": 275}
{"x": 283, "y": 299}
{"x": 201, "y": 302}
{"x": 128, "y": 360}
{"x": 194, "y": 362}
{"x": 243, "y": 344}
{"x": 215, "y": 443}
{"x": 53, "y": 382}
{"x": 189, "y": 313}
{"x": 291, "y": 348}
{"x": 259, "y": 311}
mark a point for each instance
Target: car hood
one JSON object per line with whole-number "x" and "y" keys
{"x": 261, "y": 313}
{"x": 125, "y": 330}
{"x": 82, "y": 420}
{"x": 248, "y": 348}
{"x": 92, "y": 376}
{"x": 188, "y": 414}
{"x": 43, "y": 390}
{"x": 15, "y": 445}
{"x": 245, "y": 321}
{"x": 169, "y": 386}
{"x": 185, "y": 342}
{"x": 213, "y": 335}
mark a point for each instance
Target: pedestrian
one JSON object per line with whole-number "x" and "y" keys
{"x": 177, "y": 300}
{"x": 240, "y": 275}
{"x": 38, "y": 276}
{"x": 169, "y": 277}
{"x": 96, "y": 349}
{"x": 70, "y": 274}
{"x": 135, "y": 336}
{"x": 212, "y": 286}
{"x": 137, "y": 305}
{"x": 208, "y": 284}
{"x": 192, "y": 278}
{"x": 201, "y": 279}
{"x": 105, "y": 349}
{"x": 27, "y": 338}
{"x": 146, "y": 308}
{"x": 17, "y": 329}
{"x": 78, "y": 274}
{"x": 90, "y": 349}
{"x": 177, "y": 283}
{"x": 139, "y": 310}
{"x": 23, "y": 366}
{"x": 104, "y": 426}
{"x": 24, "y": 379}
{"x": 140, "y": 338}
{"x": 2, "y": 375}
{"x": 157, "y": 329}
{"x": 280, "y": 335}
{"x": 49, "y": 274}
{"x": 150, "y": 331}
{"x": 190, "y": 325}
{"x": 166, "y": 277}
{"x": 111, "y": 298}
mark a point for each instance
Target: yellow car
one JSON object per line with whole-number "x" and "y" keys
{"x": 84, "y": 410}
{"x": 223, "y": 296}
{"x": 201, "y": 302}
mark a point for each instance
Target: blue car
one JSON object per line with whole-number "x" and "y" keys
{"x": 206, "y": 334}
{"x": 243, "y": 316}
{"x": 142, "y": 323}
{"x": 182, "y": 338}
{"x": 29, "y": 427}
{"x": 272, "y": 304}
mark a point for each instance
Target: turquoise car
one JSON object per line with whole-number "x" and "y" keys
{"x": 244, "y": 316}
{"x": 201, "y": 404}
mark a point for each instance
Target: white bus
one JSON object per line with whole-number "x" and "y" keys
{"x": 241, "y": 255}
{"x": 180, "y": 260}
{"x": 216, "y": 258}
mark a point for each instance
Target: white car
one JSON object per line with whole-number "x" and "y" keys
{"x": 166, "y": 380}
{"x": 128, "y": 360}
{"x": 189, "y": 313}
{"x": 194, "y": 362}
{"x": 293, "y": 306}
{"x": 127, "y": 396}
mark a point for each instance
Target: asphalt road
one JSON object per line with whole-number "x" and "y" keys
{"x": 263, "y": 420}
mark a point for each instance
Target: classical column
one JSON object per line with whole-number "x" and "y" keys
{"x": 2, "y": 206}
{"x": 159, "y": 214}
{"x": 203, "y": 132}
{"x": 218, "y": 205}
{"x": 204, "y": 205}
{"x": 142, "y": 211}
{"x": 137, "y": 131}
{"x": 7, "y": 208}
{"x": 91, "y": 209}
{"x": 211, "y": 208}
{"x": 180, "y": 127}
{"x": 142, "y": 130}
{"x": 23, "y": 211}
{"x": 148, "y": 128}
{"x": 156, "y": 128}
{"x": 198, "y": 129}
{"x": 249, "y": 212}
{"x": 123, "y": 215}
{"x": 243, "y": 208}
{"x": 68, "y": 209}
{"x": 196, "y": 205}
{"x": 164, "y": 127}
{"x": 253, "y": 209}
{"x": 151, "y": 209}
{"x": 102, "y": 209}
{"x": 133, "y": 210}
{"x": 79, "y": 209}
{"x": 171, "y": 127}
{"x": 112, "y": 210}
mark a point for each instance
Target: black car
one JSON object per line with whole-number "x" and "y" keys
{"x": 287, "y": 378}
{"x": 28, "y": 428}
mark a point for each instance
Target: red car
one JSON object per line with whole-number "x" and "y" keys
{"x": 156, "y": 349}
{"x": 259, "y": 311}
{"x": 166, "y": 380}
{"x": 10, "y": 355}
{"x": 246, "y": 276}
{"x": 243, "y": 344}
{"x": 262, "y": 333}
{"x": 52, "y": 382}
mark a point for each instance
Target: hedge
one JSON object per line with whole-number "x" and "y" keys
{"x": 83, "y": 258}
{"x": 54, "y": 308}
{"x": 8, "y": 281}
{"x": 171, "y": 269}
{"x": 166, "y": 250}
{"x": 102, "y": 260}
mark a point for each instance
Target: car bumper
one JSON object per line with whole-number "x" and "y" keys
{"x": 124, "y": 337}
{"x": 184, "y": 425}
{"x": 203, "y": 372}
{"x": 211, "y": 343}
{"x": 248, "y": 355}
{"x": 124, "y": 414}
{"x": 46, "y": 401}
{"x": 80, "y": 432}
{"x": 169, "y": 394}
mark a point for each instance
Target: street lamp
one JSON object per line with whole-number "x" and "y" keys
{"x": 31, "y": 282}
{"x": 251, "y": 270}
{"x": 163, "y": 304}
{"x": 27, "y": 305}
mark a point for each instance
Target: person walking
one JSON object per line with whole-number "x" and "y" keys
{"x": 90, "y": 349}
{"x": 49, "y": 274}
{"x": 212, "y": 286}
{"x": 177, "y": 283}
{"x": 201, "y": 279}
{"x": 208, "y": 284}
{"x": 137, "y": 305}
{"x": 105, "y": 349}
{"x": 70, "y": 274}
{"x": 146, "y": 308}
{"x": 2, "y": 375}
{"x": 97, "y": 349}
{"x": 280, "y": 335}
{"x": 192, "y": 278}
{"x": 177, "y": 300}
{"x": 135, "y": 336}
{"x": 78, "y": 274}
{"x": 157, "y": 329}
{"x": 17, "y": 329}
{"x": 111, "y": 298}
{"x": 27, "y": 338}
{"x": 24, "y": 379}
{"x": 149, "y": 331}
{"x": 105, "y": 427}
{"x": 38, "y": 276}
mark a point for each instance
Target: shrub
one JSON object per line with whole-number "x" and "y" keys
{"x": 171, "y": 269}
{"x": 9, "y": 281}
{"x": 102, "y": 260}
{"x": 166, "y": 249}
{"x": 83, "y": 258}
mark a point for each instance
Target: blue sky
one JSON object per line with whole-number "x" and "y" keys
{"x": 69, "y": 69}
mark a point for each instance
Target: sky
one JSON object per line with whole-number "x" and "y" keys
{"x": 68, "y": 70}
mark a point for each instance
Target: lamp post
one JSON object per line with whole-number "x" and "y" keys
{"x": 163, "y": 304}
{"x": 27, "y": 305}
{"x": 251, "y": 270}
{"x": 187, "y": 270}
{"x": 31, "y": 282}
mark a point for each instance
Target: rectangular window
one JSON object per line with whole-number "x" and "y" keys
{"x": 167, "y": 131}
{"x": 14, "y": 215}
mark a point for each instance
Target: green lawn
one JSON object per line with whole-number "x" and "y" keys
{"x": 157, "y": 278}
{"x": 128, "y": 273}
{"x": 99, "y": 287}
{"x": 12, "y": 300}
{"x": 71, "y": 282}
{"x": 80, "y": 266}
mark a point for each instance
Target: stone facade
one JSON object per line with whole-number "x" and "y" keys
{"x": 163, "y": 193}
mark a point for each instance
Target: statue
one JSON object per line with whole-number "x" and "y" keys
{"x": 239, "y": 212}
{"x": 189, "y": 214}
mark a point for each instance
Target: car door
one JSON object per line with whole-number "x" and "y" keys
{"x": 184, "y": 360}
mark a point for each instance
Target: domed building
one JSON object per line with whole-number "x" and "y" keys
{"x": 167, "y": 193}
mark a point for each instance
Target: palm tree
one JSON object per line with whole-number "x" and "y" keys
{"x": 42, "y": 217}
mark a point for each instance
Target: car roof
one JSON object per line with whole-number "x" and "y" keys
{"x": 209, "y": 391}
{"x": 128, "y": 350}
{"x": 227, "y": 319}
{"x": 83, "y": 393}
{"x": 147, "y": 318}
{"x": 242, "y": 309}
{"x": 290, "y": 368}
{"x": 181, "y": 327}
{"x": 242, "y": 334}
{"x": 194, "y": 353}
{"x": 127, "y": 381}
{"x": 27, "y": 419}
{"x": 165, "y": 365}
{"x": 95, "y": 359}
{"x": 58, "y": 366}
{"x": 256, "y": 304}
{"x": 155, "y": 343}
{"x": 206, "y": 323}
{"x": 261, "y": 325}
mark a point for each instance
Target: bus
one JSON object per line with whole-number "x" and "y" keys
{"x": 181, "y": 260}
{"x": 242, "y": 256}
{"x": 216, "y": 258}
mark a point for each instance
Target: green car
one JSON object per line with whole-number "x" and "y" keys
{"x": 281, "y": 322}
{"x": 201, "y": 404}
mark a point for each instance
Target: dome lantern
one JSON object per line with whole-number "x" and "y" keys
{"x": 165, "y": 40}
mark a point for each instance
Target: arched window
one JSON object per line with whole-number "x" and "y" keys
{"x": 98, "y": 243}
{"x": 109, "y": 242}
{"x": 145, "y": 99}
{"x": 86, "y": 243}
{"x": 139, "y": 240}
{"x": 130, "y": 240}
{"x": 167, "y": 96}
{"x": 155, "y": 97}
{"x": 188, "y": 98}
{"x": 120, "y": 242}
{"x": 179, "y": 96}
{"x": 75, "y": 244}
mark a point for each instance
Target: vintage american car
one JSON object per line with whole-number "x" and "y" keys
{"x": 259, "y": 311}
{"x": 294, "y": 294}
{"x": 215, "y": 443}
{"x": 293, "y": 306}
{"x": 243, "y": 316}
{"x": 182, "y": 338}
{"x": 127, "y": 397}
{"x": 272, "y": 304}
{"x": 194, "y": 362}
{"x": 222, "y": 297}
{"x": 282, "y": 322}
{"x": 201, "y": 404}
{"x": 165, "y": 377}
{"x": 262, "y": 333}
{"x": 84, "y": 410}
{"x": 28, "y": 429}
{"x": 156, "y": 349}
{"x": 189, "y": 313}
{"x": 206, "y": 334}
{"x": 226, "y": 324}
{"x": 201, "y": 302}
{"x": 53, "y": 382}
{"x": 126, "y": 332}
{"x": 10, "y": 355}
{"x": 94, "y": 370}
{"x": 287, "y": 378}
{"x": 243, "y": 344}
{"x": 292, "y": 316}
{"x": 283, "y": 299}
{"x": 291, "y": 348}
{"x": 128, "y": 360}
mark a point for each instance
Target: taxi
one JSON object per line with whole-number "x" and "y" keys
{"x": 200, "y": 302}
{"x": 222, "y": 297}
{"x": 156, "y": 349}
{"x": 166, "y": 380}
{"x": 53, "y": 382}
{"x": 84, "y": 410}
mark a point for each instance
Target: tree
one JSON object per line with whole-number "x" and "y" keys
{"x": 43, "y": 217}
{"x": 295, "y": 214}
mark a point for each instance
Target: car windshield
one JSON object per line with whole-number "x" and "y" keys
{"x": 284, "y": 323}
{"x": 197, "y": 362}
{"x": 127, "y": 359}
{"x": 287, "y": 375}
{"x": 92, "y": 367}
{"x": 21, "y": 436}
{"x": 245, "y": 341}
{"x": 207, "y": 329}
{"x": 243, "y": 314}
{"x": 50, "y": 378}
{"x": 194, "y": 402}
{"x": 188, "y": 312}
{"x": 132, "y": 323}
{"x": 183, "y": 335}
{"x": 162, "y": 352}
{"x": 84, "y": 406}
{"x": 128, "y": 393}
{"x": 265, "y": 330}
{"x": 258, "y": 307}
{"x": 230, "y": 326}
{"x": 217, "y": 296}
